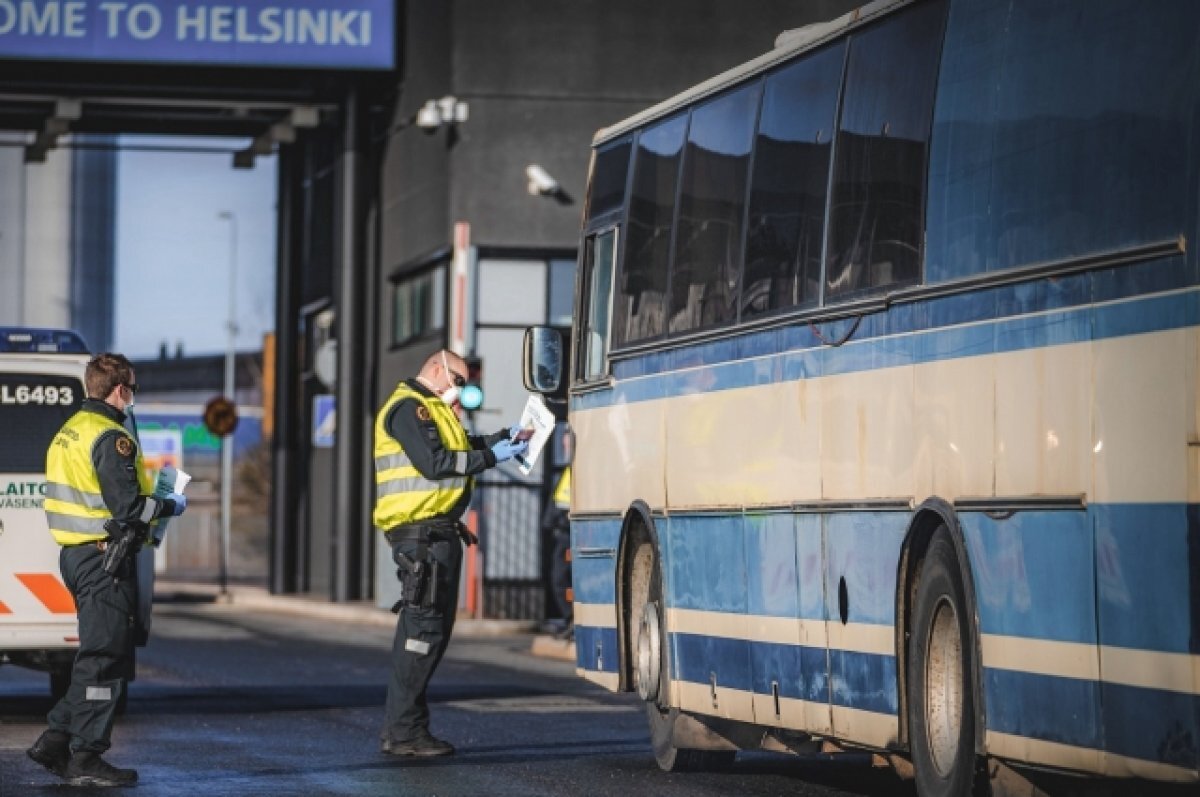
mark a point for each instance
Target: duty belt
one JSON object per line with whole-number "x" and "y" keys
{"x": 424, "y": 532}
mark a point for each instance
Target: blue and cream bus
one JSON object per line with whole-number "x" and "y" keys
{"x": 884, "y": 388}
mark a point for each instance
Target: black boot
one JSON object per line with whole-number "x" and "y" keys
{"x": 52, "y": 750}
{"x": 89, "y": 769}
{"x": 423, "y": 745}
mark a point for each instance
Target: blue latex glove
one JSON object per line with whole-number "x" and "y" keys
{"x": 506, "y": 449}
{"x": 180, "y": 503}
{"x": 517, "y": 428}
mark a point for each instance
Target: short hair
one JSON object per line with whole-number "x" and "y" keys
{"x": 105, "y": 372}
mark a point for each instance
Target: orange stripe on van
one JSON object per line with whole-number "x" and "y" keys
{"x": 4, "y": 609}
{"x": 50, "y": 591}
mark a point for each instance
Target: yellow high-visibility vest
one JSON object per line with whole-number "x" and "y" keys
{"x": 74, "y": 507}
{"x": 562, "y": 493}
{"x": 402, "y": 494}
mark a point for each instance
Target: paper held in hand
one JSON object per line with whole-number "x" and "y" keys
{"x": 170, "y": 480}
{"x": 538, "y": 417}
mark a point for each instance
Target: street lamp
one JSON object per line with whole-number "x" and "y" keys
{"x": 229, "y": 392}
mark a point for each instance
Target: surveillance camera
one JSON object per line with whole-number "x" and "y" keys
{"x": 540, "y": 181}
{"x": 429, "y": 118}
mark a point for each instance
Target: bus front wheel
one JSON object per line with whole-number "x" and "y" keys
{"x": 649, "y": 649}
{"x": 941, "y": 661}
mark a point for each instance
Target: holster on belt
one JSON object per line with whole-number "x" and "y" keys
{"x": 123, "y": 543}
{"x": 418, "y": 572}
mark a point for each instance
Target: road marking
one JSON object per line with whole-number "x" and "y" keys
{"x": 540, "y": 704}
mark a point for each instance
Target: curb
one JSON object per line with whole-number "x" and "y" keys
{"x": 550, "y": 647}
{"x": 360, "y": 612}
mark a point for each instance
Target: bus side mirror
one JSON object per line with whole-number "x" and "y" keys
{"x": 542, "y": 360}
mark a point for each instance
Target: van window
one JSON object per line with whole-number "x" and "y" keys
{"x": 33, "y": 407}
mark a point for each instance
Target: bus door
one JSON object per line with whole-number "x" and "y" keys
{"x": 787, "y": 621}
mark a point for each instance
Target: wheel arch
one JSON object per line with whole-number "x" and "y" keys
{"x": 929, "y": 515}
{"x": 637, "y": 524}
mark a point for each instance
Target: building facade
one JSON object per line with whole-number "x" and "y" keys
{"x": 457, "y": 247}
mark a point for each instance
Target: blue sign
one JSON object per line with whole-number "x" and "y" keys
{"x": 324, "y": 421}
{"x": 337, "y": 34}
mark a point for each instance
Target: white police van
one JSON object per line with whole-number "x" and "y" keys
{"x": 41, "y": 386}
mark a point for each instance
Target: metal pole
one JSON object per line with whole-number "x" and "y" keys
{"x": 283, "y": 535}
{"x": 348, "y": 445}
{"x": 229, "y": 390}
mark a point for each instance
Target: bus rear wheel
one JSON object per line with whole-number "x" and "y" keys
{"x": 941, "y": 662}
{"x": 650, "y": 673}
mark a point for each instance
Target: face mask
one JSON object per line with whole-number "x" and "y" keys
{"x": 451, "y": 394}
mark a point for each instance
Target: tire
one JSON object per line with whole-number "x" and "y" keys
{"x": 941, "y": 667}
{"x": 661, "y": 718}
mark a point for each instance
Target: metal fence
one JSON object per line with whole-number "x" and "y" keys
{"x": 510, "y": 542}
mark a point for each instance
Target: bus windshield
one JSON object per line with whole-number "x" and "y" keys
{"x": 32, "y": 408}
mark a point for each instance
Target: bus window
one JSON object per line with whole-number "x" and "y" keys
{"x": 599, "y": 258}
{"x": 640, "y": 306}
{"x": 712, "y": 200}
{"x": 611, "y": 171}
{"x": 788, "y": 189}
{"x": 33, "y": 407}
{"x": 879, "y": 171}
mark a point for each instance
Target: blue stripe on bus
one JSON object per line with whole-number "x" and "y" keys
{"x": 596, "y": 648}
{"x": 863, "y": 681}
{"x": 1043, "y": 707}
{"x": 1149, "y": 724}
{"x": 1152, "y": 724}
{"x": 801, "y": 671}
{"x": 695, "y": 658}
{"x": 1116, "y": 574}
{"x": 805, "y": 356}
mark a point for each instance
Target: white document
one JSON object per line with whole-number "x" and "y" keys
{"x": 170, "y": 480}
{"x": 538, "y": 417}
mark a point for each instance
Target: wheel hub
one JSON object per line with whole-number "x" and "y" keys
{"x": 649, "y": 653}
{"x": 944, "y": 687}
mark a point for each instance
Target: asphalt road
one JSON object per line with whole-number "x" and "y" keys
{"x": 233, "y": 702}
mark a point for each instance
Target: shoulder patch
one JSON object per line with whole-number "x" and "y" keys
{"x": 423, "y": 413}
{"x": 124, "y": 446}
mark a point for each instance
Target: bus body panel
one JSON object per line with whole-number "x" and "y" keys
{"x": 37, "y": 612}
{"x": 1039, "y": 576}
{"x": 1055, "y": 411}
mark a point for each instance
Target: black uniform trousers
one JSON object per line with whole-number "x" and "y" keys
{"x": 422, "y": 634}
{"x": 104, "y": 663}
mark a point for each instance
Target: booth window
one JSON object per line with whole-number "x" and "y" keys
{"x": 418, "y": 305}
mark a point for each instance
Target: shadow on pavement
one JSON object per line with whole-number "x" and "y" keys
{"x": 216, "y": 700}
